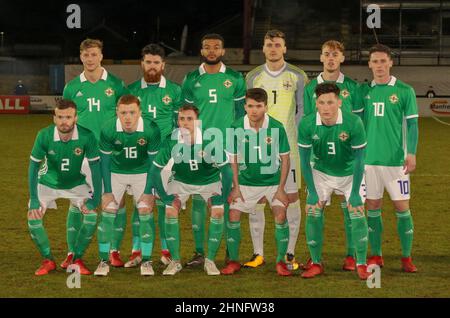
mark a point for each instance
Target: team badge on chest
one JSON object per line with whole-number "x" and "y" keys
{"x": 345, "y": 93}
{"x": 393, "y": 99}
{"x": 78, "y": 151}
{"x": 142, "y": 141}
{"x": 166, "y": 99}
{"x": 109, "y": 92}
{"x": 343, "y": 136}
{"x": 268, "y": 140}
{"x": 227, "y": 83}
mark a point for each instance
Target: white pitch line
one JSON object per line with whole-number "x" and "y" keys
{"x": 431, "y": 175}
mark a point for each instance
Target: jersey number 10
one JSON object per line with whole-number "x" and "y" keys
{"x": 379, "y": 109}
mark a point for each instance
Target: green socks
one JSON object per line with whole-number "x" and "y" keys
{"x": 282, "y": 239}
{"x": 215, "y": 232}
{"x": 173, "y": 237}
{"x": 314, "y": 234}
{"x": 375, "y": 224}
{"x": 161, "y": 223}
{"x": 147, "y": 234}
{"x": 73, "y": 225}
{"x": 359, "y": 235}
{"x": 233, "y": 239}
{"x": 348, "y": 230}
{"x": 40, "y": 238}
{"x": 135, "y": 230}
{"x": 86, "y": 233}
{"x": 198, "y": 222}
{"x": 120, "y": 224}
{"x": 104, "y": 234}
{"x": 405, "y": 228}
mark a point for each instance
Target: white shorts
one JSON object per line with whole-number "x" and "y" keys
{"x": 252, "y": 195}
{"x": 393, "y": 179}
{"x": 326, "y": 185}
{"x": 184, "y": 190}
{"x": 133, "y": 184}
{"x": 292, "y": 184}
{"x": 77, "y": 195}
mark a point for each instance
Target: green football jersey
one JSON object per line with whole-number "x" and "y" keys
{"x": 130, "y": 150}
{"x": 96, "y": 102}
{"x": 259, "y": 152}
{"x": 195, "y": 164}
{"x": 158, "y": 102}
{"x": 386, "y": 108}
{"x": 214, "y": 95}
{"x": 348, "y": 93}
{"x": 61, "y": 161}
{"x": 333, "y": 145}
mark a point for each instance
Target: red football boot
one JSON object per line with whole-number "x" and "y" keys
{"x": 408, "y": 266}
{"x": 313, "y": 271}
{"x": 375, "y": 259}
{"x": 362, "y": 272}
{"x": 282, "y": 269}
{"x": 306, "y": 266}
{"x": 349, "y": 264}
{"x": 166, "y": 258}
{"x": 67, "y": 261}
{"x": 83, "y": 269}
{"x": 134, "y": 260}
{"x": 47, "y": 266}
{"x": 231, "y": 268}
{"x": 114, "y": 259}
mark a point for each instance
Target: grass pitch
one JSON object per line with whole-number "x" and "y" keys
{"x": 431, "y": 251}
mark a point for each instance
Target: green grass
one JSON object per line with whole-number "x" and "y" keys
{"x": 431, "y": 251}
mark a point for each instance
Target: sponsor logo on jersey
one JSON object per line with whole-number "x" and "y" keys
{"x": 51, "y": 152}
{"x": 78, "y": 151}
{"x": 343, "y": 136}
{"x": 109, "y": 92}
{"x": 142, "y": 141}
{"x": 117, "y": 142}
{"x": 227, "y": 83}
{"x": 287, "y": 85}
{"x": 315, "y": 137}
{"x": 268, "y": 140}
{"x": 166, "y": 99}
{"x": 198, "y": 84}
{"x": 345, "y": 93}
{"x": 367, "y": 97}
{"x": 393, "y": 99}
{"x": 79, "y": 94}
{"x": 139, "y": 97}
{"x": 314, "y": 96}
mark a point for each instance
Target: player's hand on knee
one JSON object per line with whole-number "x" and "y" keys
{"x": 148, "y": 200}
{"x": 281, "y": 196}
{"x": 176, "y": 203}
{"x": 235, "y": 194}
{"x": 36, "y": 214}
{"x": 108, "y": 198}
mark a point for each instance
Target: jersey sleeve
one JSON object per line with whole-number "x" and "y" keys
{"x": 239, "y": 91}
{"x": 220, "y": 158}
{"x": 358, "y": 101}
{"x": 178, "y": 98}
{"x": 308, "y": 101}
{"x": 358, "y": 137}
{"x": 186, "y": 91}
{"x": 410, "y": 103}
{"x": 164, "y": 154}
{"x": 284, "y": 143}
{"x": 232, "y": 140}
{"x": 67, "y": 92}
{"x": 122, "y": 89}
{"x": 106, "y": 145}
{"x": 39, "y": 149}
{"x": 302, "y": 81}
{"x": 91, "y": 152}
{"x": 154, "y": 140}
{"x": 304, "y": 135}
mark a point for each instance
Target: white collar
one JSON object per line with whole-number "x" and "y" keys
{"x": 198, "y": 136}
{"x": 338, "y": 121}
{"x": 391, "y": 82}
{"x": 265, "y": 124}
{"x": 202, "y": 70}
{"x": 74, "y": 134}
{"x": 339, "y": 80}
{"x": 104, "y": 75}
{"x": 275, "y": 73}
{"x": 162, "y": 82}
{"x": 140, "y": 125}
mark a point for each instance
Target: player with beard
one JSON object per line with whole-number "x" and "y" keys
{"x": 219, "y": 93}
{"x": 160, "y": 99}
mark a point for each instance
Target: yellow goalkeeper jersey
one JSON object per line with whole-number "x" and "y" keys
{"x": 285, "y": 90}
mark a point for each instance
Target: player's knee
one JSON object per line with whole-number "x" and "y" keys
{"x": 171, "y": 212}
{"x": 144, "y": 211}
{"x": 279, "y": 214}
{"x": 401, "y": 205}
{"x": 292, "y": 197}
{"x": 373, "y": 204}
{"x": 234, "y": 216}
{"x": 217, "y": 211}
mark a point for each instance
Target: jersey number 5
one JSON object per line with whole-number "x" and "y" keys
{"x": 213, "y": 96}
